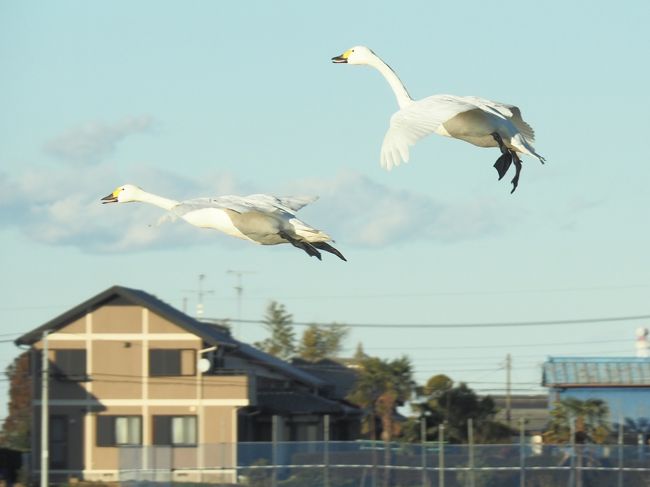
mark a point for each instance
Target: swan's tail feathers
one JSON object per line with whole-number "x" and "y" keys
{"x": 307, "y": 232}
{"x": 302, "y": 244}
{"x": 328, "y": 248}
{"x": 523, "y": 146}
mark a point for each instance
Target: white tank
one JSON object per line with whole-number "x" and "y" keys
{"x": 642, "y": 344}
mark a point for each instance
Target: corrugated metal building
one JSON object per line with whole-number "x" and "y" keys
{"x": 622, "y": 382}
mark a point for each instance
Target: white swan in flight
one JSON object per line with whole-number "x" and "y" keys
{"x": 259, "y": 218}
{"x": 481, "y": 122}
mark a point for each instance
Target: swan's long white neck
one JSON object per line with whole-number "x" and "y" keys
{"x": 156, "y": 200}
{"x": 403, "y": 97}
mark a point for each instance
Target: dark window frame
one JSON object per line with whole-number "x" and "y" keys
{"x": 163, "y": 430}
{"x": 106, "y": 432}
{"x": 70, "y": 364}
{"x": 168, "y": 362}
{"x": 58, "y": 447}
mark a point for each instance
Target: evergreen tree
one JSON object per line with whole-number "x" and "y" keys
{"x": 445, "y": 403}
{"x": 279, "y": 323}
{"x": 359, "y": 354}
{"x": 17, "y": 424}
{"x": 319, "y": 342}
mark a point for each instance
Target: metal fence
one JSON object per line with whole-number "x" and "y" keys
{"x": 378, "y": 464}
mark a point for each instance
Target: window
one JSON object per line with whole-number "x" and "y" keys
{"x": 58, "y": 441}
{"x": 174, "y": 430}
{"x": 70, "y": 364}
{"x": 171, "y": 362}
{"x": 119, "y": 430}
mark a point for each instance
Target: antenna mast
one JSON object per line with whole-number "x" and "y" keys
{"x": 200, "y": 293}
{"x": 239, "y": 289}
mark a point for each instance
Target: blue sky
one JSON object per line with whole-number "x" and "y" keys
{"x": 190, "y": 99}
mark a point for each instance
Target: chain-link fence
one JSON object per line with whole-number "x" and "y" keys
{"x": 377, "y": 464}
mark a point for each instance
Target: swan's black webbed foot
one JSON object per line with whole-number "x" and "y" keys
{"x": 515, "y": 180}
{"x": 508, "y": 156}
{"x": 328, "y": 248}
{"x": 301, "y": 244}
{"x": 503, "y": 163}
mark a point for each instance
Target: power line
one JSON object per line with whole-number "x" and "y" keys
{"x": 516, "y": 345}
{"x": 468, "y": 325}
{"x": 391, "y": 295}
{"x": 456, "y": 293}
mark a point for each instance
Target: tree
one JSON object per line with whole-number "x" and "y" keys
{"x": 359, "y": 354}
{"x": 453, "y": 406}
{"x": 319, "y": 342}
{"x": 381, "y": 387}
{"x": 586, "y": 419}
{"x": 589, "y": 418}
{"x": 278, "y": 322}
{"x": 17, "y": 424}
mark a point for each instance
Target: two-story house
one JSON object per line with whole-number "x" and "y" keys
{"x": 129, "y": 372}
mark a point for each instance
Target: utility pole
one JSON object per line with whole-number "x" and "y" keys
{"x": 200, "y": 292}
{"x": 239, "y": 289}
{"x": 508, "y": 385}
{"x": 45, "y": 413}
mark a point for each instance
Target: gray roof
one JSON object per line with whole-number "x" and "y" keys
{"x": 211, "y": 334}
{"x": 339, "y": 376}
{"x": 594, "y": 371}
{"x": 296, "y": 402}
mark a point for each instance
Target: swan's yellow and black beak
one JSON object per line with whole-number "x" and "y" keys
{"x": 343, "y": 58}
{"x": 111, "y": 198}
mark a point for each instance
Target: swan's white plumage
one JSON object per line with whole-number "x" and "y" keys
{"x": 418, "y": 118}
{"x": 259, "y": 218}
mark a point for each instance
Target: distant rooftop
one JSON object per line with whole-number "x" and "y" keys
{"x": 596, "y": 371}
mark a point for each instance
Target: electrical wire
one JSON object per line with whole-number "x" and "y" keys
{"x": 579, "y": 321}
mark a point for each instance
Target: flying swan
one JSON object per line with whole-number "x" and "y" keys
{"x": 481, "y": 122}
{"x": 259, "y": 218}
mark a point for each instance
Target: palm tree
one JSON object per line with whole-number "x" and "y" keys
{"x": 381, "y": 387}
{"x": 589, "y": 418}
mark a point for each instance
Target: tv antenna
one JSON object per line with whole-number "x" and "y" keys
{"x": 239, "y": 289}
{"x": 200, "y": 293}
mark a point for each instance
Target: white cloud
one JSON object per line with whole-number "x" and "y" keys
{"x": 93, "y": 141}
{"x": 361, "y": 211}
{"x": 62, "y": 207}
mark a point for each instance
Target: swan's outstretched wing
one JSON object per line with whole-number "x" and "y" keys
{"x": 417, "y": 120}
{"x": 261, "y": 203}
{"x": 427, "y": 116}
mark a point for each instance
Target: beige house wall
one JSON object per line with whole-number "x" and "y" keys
{"x": 157, "y": 324}
{"x": 117, "y": 369}
{"x": 117, "y": 319}
{"x": 77, "y": 326}
{"x": 117, "y": 340}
